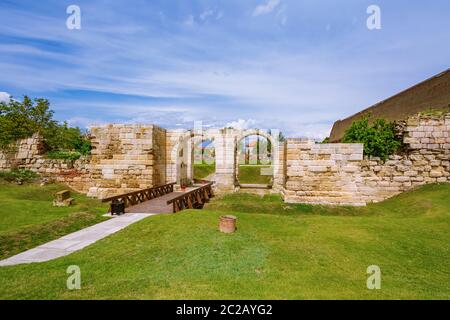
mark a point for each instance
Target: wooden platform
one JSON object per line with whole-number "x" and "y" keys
{"x": 162, "y": 199}
{"x": 157, "y": 205}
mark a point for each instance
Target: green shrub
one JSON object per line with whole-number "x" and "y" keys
{"x": 64, "y": 155}
{"x": 326, "y": 140}
{"x": 62, "y": 137}
{"x": 22, "y": 119}
{"x": 18, "y": 176}
{"x": 379, "y": 138}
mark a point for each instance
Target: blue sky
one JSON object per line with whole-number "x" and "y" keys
{"x": 293, "y": 65}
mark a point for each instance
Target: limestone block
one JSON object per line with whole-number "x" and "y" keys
{"x": 317, "y": 168}
{"x": 436, "y": 174}
{"x": 350, "y": 168}
{"x": 435, "y": 163}
{"x": 401, "y": 179}
{"x": 355, "y": 157}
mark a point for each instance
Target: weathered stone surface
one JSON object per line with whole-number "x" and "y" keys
{"x": 130, "y": 157}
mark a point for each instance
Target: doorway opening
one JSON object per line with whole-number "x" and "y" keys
{"x": 204, "y": 160}
{"x": 254, "y": 161}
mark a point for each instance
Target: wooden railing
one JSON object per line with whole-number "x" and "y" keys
{"x": 193, "y": 199}
{"x": 136, "y": 197}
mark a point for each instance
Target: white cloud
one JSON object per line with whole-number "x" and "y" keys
{"x": 189, "y": 21}
{"x": 5, "y": 97}
{"x": 205, "y": 14}
{"x": 241, "y": 124}
{"x": 266, "y": 8}
{"x": 83, "y": 122}
{"x": 282, "y": 16}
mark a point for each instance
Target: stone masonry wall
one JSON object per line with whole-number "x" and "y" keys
{"x": 426, "y": 160}
{"x": 22, "y": 154}
{"x": 28, "y": 155}
{"x": 338, "y": 174}
{"x": 323, "y": 173}
{"x": 126, "y": 158}
{"x": 159, "y": 151}
{"x": 130, "y": 157}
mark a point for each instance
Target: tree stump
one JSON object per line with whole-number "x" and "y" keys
{"x": 227, "y": 224}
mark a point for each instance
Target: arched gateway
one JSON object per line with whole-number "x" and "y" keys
{"x": 181, "y": 149}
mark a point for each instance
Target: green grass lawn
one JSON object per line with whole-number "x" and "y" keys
{"x": 280, "y": 251}
{"x": 28, "y": 218}
{"x": 251, "y": 174}
{"x": 201, "y": 171}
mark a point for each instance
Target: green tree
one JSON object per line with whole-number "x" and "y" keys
{"x": 19, "y": 120}
{"x": 379, "y": 138}
{"x": 22, "y": 119}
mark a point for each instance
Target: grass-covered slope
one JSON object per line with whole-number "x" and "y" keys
{"x": 202, "y": 171}
{"x": 28, "y": 217}
{"x": 280, "y": 251}
{"x": 251, "y": 174}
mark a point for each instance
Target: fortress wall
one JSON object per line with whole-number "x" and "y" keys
{"x": 338, "y": 174}
{"x": 323, "y": 173}
{"x": 130, "y": 157}
{"x": 126, "y": 158}
{"x": 433, "y": 93}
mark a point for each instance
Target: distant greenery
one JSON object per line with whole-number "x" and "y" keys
{"x": 65, "y": 155}
{"x": 251, "y": 174}
{"x": 22, "y": 119}
{"x": 18, "y": 176}
{"x": 201, "y": 171}
{"x": 379, "y": 138}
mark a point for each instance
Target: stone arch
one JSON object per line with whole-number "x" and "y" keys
{"x": 225, "y": 144}
{"x": 242, "y": 134}
{"x": 181, "y": 162}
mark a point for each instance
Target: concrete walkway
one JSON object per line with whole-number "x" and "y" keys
{"x": 74, "y": 241}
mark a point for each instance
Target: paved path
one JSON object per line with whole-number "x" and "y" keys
{"x": 74, "y": 241}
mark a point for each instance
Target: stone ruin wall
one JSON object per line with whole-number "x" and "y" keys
{"x": 426, "y": 160}
{"x": 322, "y": 173}
{"x": 23, "y": 153}
{"x": 28, "y": 154}
{"x": 126, "y": 158}
{"x": 130, "y": 157}
{"x": 339, "y": 174}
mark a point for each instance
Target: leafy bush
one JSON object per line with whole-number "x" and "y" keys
{"x": 379, "y": 139}
{"x": 62, "y": 137}
{"x": 19, "y": 176}
{"x": 326, "y": 140}
{"x": 65, "y": 155}
{"x": 19, "y": 120}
